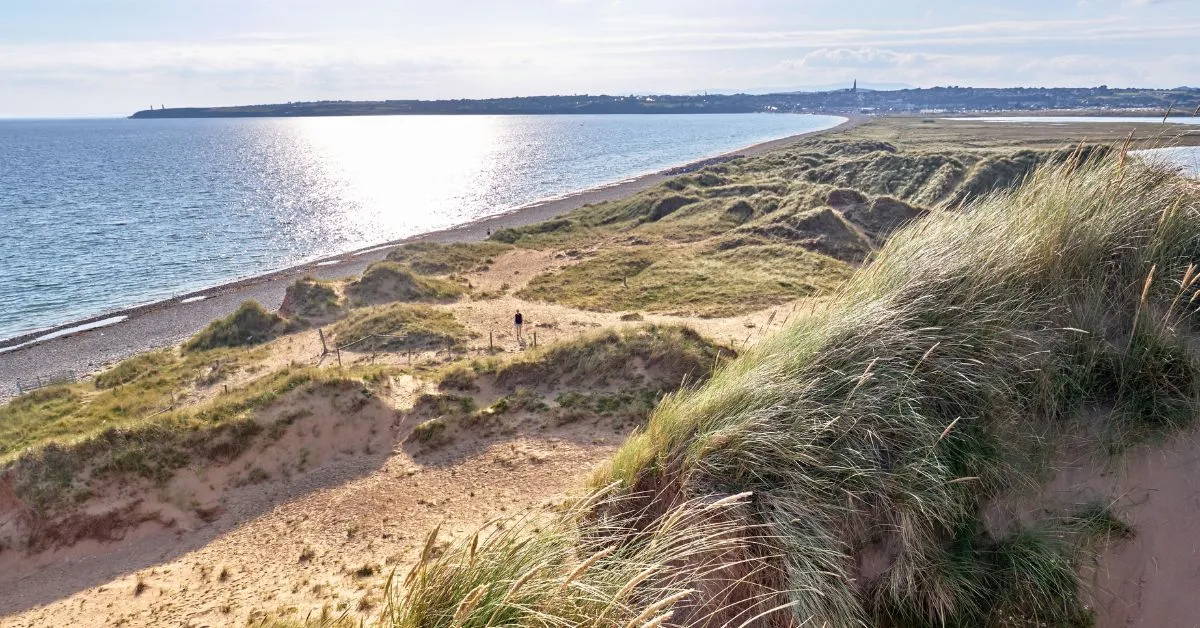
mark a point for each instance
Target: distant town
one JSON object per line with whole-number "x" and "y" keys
{"x": 1179, "y": 101}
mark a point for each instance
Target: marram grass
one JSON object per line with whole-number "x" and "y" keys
{"x": 584, "y": 566}
{"x": 864, "y": 441}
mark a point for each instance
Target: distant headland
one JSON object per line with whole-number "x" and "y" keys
{"x": 1181, "y": 100}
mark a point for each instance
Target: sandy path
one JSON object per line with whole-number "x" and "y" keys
{"x": 379, "y": 521}
{"x": 293, "y": 544}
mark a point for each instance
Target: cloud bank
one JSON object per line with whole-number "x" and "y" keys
{"x": 591, "y": 46}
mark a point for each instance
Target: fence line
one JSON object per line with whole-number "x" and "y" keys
{"x": 41, "y": 381}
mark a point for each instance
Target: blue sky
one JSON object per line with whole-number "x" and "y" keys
{"x": 72, "y": 57}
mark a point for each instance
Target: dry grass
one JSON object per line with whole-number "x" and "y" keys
{"x": 690, "y": 280}
{"x": 250, "y": 324}
{"x": 937, "y": 381}
{"x": 399, "y": 327}
{"x": 309, "y": 297}
{"x": 385, "y": 282}
{"x": 431, "y": 258}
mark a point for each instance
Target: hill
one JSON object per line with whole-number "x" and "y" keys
{"x": 865, "y": 380}
{"x": 1183, "y": 99}
{"x": 864, "y": 466}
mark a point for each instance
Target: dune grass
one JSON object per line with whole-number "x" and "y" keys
{"x": 386, "y": 282}
{"x": 748, "y": 234}
{"x": 250, "y": 324}
{"x": 583, "y": 570}
{"x": 309, "y": 297}
{"x": 62, "y": 469}
{"x": 718, "y": 198}
{"x": 132, "y": 390}
{"x": 611, "y": 376}
{"x": 64, "y": 462}
{"x": 432, "y": 258}
{"x": 399, "y": 327}
{"x": 138, "y": 366}
{"x": 690, "y": 280}
{"x": 873, "y": 432}
{"x": 663, "y": 353}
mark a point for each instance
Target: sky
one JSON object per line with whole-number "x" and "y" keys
{"x": 103, "y": 57}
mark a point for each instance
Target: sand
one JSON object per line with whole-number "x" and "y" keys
{"x": 362, "y": 498}
{"x": 169, "y": 322}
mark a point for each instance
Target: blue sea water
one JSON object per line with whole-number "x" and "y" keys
{"x": 100, "y": 214}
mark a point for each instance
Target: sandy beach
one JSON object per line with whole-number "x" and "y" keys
{"x": 74, "y": 353}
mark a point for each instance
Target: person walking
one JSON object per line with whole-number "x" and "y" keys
{"x": 518, "y": 323}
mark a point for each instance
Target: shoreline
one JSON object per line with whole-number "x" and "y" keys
{"x": 82, "y": 346}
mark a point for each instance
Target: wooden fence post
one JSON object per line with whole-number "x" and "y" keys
{"x": 491, "y": 345}
{"x": 339, "y": 355}
{"x": 535, "y": 339}
{"x": 324, "y": 349}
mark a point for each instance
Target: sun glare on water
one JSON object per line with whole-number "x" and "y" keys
{"x": 373, "y": 183}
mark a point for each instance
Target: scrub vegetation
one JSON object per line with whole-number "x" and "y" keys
{"x": 250, "y": 324}
{"x": 845, "y": 460}
{"x": 386, "y": 282}
{"x": 979, "y": 300}
{"x": 399, "y": 327}
{"x": 752, "y": 233}
{"x": 432, "y": 258}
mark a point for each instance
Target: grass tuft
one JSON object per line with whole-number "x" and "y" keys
{"x": 385, "y": 282}
{"x": 309, "y": 297}
{"x": 250, "y": 324}
{"x": 399, "y": 327}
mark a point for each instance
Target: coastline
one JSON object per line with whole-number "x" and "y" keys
{"x": 83, "y": 346}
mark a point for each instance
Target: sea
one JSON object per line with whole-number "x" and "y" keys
{"x": 101, "y": 214}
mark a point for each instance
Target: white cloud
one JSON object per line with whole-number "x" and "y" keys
{"x": 857, "y": 58}
{"x": 622, "y": 49}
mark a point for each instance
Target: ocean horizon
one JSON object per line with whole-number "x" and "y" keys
{"x": 102, "y": 214}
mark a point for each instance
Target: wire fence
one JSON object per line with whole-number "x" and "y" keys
{"x": 336, "y": 349}
{"x": 41, "y": 381}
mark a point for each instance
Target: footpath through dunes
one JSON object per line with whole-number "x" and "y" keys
{"x": 284, "y": 462}
{"x": 975, "y": 433}
{"x": 326, "y": 488}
